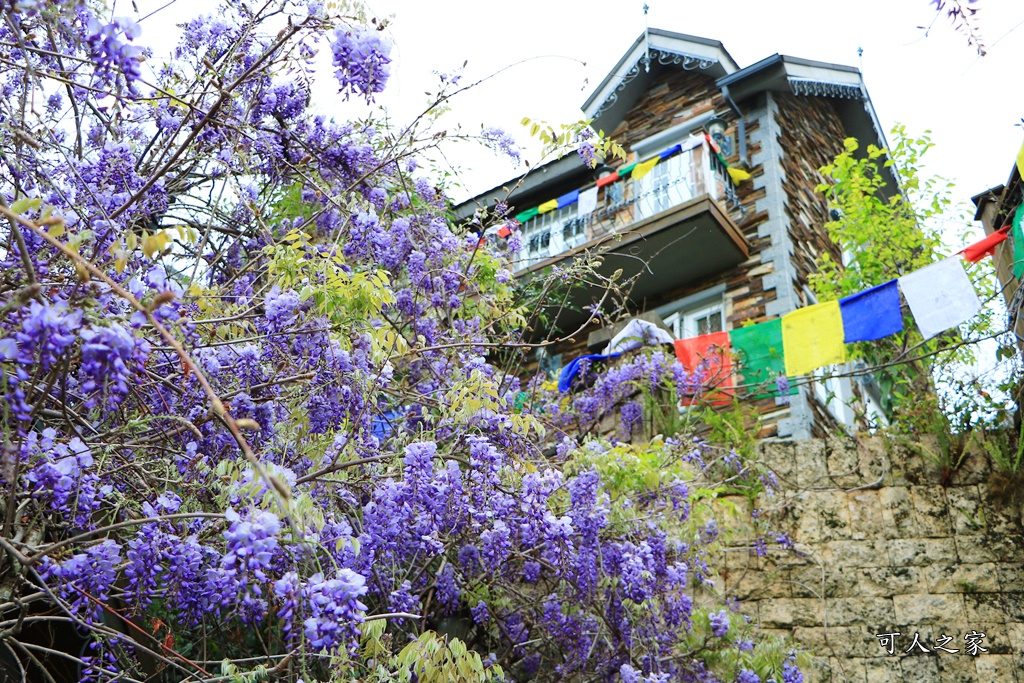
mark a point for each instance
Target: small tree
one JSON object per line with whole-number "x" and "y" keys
{"x": 885, "y": 232}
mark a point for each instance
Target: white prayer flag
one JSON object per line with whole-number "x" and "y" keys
{"x": 692, "y": 141}
{"x": 941, "y": 296}
{"x": 588, "y": 201}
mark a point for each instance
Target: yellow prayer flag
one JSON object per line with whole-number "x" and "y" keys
{"x": 548, "y": 206}
{"x": 1020, "y": 161}
{"x": 640, "y": 170}
{"x": 738, "y": 175}
{"x": 813, "y": 337}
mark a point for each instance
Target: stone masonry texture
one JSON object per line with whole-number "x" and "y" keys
{"x": 887, "y": 543}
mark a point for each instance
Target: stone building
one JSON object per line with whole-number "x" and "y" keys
{"x": 708, "y": 254}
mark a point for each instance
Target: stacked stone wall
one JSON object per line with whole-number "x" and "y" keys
{"x": 886, "y": 542}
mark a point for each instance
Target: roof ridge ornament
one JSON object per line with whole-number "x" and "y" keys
{"x": 647, "y": 41}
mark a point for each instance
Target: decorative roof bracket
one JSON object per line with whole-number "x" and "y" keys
{"x": 811, "y": 88}
{"x": 687, "y": 61}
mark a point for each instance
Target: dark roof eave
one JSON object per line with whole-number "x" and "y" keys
{"x": 776, "y": 60}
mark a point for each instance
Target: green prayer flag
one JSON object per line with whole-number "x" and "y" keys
{"x": 758, "y": 349}
{"x": 1018, "y": 242}
{"x": 527, "y": 215}
{"x": 626, "y": 170}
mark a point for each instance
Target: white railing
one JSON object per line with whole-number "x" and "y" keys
{"x": 672, "y": 182}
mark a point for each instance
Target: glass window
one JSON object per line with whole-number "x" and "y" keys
{"x": 706, "y": 319}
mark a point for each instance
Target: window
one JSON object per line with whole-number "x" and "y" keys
{"x": 834, "y": 393}
{"x": 693, "y": 322}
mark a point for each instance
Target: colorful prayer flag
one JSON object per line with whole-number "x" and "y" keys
{"x": 813, "y": 337}
{"x": 1018, "y": 242}
{"x": 504, "y": 231}
{"x": 626, "y": 170}
{"x": 871, "y": 314}
{"x": 758, "y": 349}
{"x": 570, "y": 371}
{"x": 691, "y": 142}
{"x": 645, "y": 167}
{"x": 567, "y": 199}
{"x": 608, "y": 179}
{"x": 671, "y": 151}
{"x": 1020, "y": 161}
{"x": 738, "y": 175}
{"x": 588, "y": 201}
{"x": 987, "y": 246}
{"x": 714, "y": 145}
{"x": 549, "y": 205}
{"x": 709, "y": 357}
{"x": 940, "y": 296}
{"x": 526, "y": 215}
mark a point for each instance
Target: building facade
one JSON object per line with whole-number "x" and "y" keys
{"x": 706, "y": 253}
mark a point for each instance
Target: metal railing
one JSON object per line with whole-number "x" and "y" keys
{"x": 620, "y": 204}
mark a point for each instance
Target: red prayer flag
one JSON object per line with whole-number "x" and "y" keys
{"x": 504, "y": 231}
{"x": 608, "y": 179}
{"x": 709, "y": 356}
{"x": 987, "y": 246}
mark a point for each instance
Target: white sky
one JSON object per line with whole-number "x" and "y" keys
{"x": 934, "y": 81}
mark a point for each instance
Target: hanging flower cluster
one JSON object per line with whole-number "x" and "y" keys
{"x": 261, "y": 402}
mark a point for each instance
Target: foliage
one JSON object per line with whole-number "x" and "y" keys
{"x": 591, "y": 147}
{"x": 261, "y": 396}
{"x": 884, "y": 234}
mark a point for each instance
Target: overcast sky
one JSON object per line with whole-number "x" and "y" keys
{"x": 923, "y": 78}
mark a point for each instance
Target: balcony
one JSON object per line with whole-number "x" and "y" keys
{"x": 624, "y": 203}
{"x": 669, "y": 228}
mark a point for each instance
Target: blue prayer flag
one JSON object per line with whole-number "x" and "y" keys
{"x": 567, "y": 199}
{"x": 871, "y": 314}
{"x": 570, "y": 371}
{"x": 675, "y": 149}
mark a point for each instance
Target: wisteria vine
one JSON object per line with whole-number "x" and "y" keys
{"x": 264, "y": 406}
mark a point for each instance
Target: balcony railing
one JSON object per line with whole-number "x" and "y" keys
{"x": 678, "y": 179}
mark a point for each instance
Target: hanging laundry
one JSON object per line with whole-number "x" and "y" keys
{"x": 812, "y": 337}
{"x": 635, "y": 334}
{"x": 940, "y": 296}
{"x": 871, "y": 314}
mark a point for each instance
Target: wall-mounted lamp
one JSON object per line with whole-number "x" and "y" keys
{"x": 716, "y": 129}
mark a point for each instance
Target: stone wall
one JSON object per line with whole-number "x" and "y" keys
{"x": 911, "y": 550}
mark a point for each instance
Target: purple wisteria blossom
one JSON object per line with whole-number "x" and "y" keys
{"x": 361, "y": 59}
{"x": 264, "y": 395}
